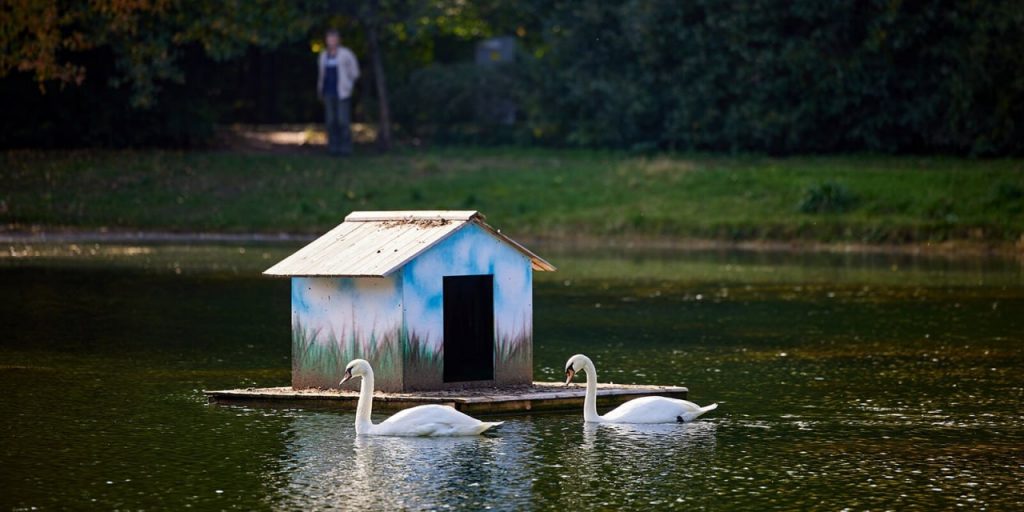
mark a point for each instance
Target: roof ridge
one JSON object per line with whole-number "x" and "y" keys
{"x": 413, "y": 215}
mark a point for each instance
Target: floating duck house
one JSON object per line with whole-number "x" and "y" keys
{"x": 433, "y": 299}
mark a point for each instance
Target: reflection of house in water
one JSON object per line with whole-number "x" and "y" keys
{"x": 433, "y": 299}
{"x": 610, "y": 459}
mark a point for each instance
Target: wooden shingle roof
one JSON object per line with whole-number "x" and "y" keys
{"x": 375, "y": 244}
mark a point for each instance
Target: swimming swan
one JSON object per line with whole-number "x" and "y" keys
{"x": 649, "y": 409}
{"x": 424, "y": 420}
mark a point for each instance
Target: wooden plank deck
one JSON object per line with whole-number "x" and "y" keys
{"x": 541, "y": 396}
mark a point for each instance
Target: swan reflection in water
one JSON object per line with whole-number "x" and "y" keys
{"x": 540, "y": 461}
{"x": 629, "y": 463}
{"x": 327, "y": 466}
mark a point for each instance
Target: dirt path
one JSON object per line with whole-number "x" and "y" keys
{"x": 69, "y": 236}
{"x": 285, "y": 139}
{"x": 951, "y": 249}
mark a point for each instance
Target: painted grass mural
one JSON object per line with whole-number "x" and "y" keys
{"x": 318, "y": 360}
{"x": 422, "y": 360}
{"x": 335, "y": 320}
{"x": 513, "y": 359}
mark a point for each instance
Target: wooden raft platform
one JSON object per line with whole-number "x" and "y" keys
{"x": 541, "y": 396}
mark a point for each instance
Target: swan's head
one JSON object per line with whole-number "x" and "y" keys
{"x": 574, "y": 365}
{"x": 356, "y": 368}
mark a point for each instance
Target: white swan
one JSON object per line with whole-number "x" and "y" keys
{"x": 423, "y": 420}
{"x": 649, "y": 409}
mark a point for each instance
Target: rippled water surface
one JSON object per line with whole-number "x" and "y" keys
{"x": 858, "y": 382}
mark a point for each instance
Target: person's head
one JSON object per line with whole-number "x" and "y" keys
{"x": 332, "y": 38}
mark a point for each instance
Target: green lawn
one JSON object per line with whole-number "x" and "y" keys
{"x": 525, "y": 192}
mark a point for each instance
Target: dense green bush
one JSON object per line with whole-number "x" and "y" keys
{"x": 454, "y": 103}
{"x": 1006, "y": 196}
{"x": 828, "y": 197}
{"x": 785, "y": 76}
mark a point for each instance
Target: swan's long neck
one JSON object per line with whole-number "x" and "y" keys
{"x": 590, "y": 399}
{"x": 363, "y": 408}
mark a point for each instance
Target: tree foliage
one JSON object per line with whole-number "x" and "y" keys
{"x": 145, "y": 37}
{"x": 776, "y": 76}
{"x": 786, "y": 75}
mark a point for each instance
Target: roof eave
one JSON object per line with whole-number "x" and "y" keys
{"x": 536, "y": 262}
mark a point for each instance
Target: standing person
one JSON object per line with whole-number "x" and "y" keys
{"x": 338, "y": 71}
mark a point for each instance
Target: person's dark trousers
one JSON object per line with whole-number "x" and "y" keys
{"x": 339, "y": 134}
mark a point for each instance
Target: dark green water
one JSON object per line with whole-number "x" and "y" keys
{"x": 844, "y": 382}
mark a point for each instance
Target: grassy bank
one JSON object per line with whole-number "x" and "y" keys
{"x": 873, "y": 199}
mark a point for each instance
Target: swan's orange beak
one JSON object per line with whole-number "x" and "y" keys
{"x": 348, "y": 375}
{"x": 569, "y": 374}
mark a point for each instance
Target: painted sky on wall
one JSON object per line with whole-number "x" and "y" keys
{"x": 469, "y": 251}
{"x": 373, "y": 305}
{"x": 337, "y": 306}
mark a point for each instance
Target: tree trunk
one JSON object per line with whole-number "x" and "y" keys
{"x": 384, "y": 113}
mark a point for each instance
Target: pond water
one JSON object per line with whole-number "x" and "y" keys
{"x": 860, "y": 382}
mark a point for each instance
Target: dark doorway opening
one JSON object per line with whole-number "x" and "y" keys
{"x": 468, "y": 328}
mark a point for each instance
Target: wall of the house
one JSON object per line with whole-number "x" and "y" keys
{"x": 335, "y": 320}
{"x": 469, "y": 251}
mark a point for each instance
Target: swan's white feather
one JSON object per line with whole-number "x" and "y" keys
{"x": 656, "y": 409}
{"x": 431, "y": 420}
